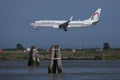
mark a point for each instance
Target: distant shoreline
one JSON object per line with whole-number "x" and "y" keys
{"x": 82, "y": 55}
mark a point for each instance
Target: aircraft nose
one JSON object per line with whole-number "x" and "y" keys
{"x": 32, "y": 24}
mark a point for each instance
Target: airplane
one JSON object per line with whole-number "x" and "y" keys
{"x": 62, "y": 24}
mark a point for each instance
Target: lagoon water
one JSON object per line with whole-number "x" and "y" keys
{"x": 72, "y": 70}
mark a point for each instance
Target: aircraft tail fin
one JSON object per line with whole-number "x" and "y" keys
{"x": 95, "y": 16}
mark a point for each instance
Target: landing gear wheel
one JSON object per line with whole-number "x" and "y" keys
{"x": 65, "y": 29}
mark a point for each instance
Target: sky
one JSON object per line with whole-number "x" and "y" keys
{"x": 16, "y": 16}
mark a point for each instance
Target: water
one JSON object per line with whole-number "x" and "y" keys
{"x": 72, "y": 70}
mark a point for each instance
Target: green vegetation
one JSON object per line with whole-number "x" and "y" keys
{"x": 93, "y": 54}
{"x": 13, "y": 55}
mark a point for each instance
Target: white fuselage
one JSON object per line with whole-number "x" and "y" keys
{"x": 51, "y": 23}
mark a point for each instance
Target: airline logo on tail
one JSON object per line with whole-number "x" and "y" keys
{"x": 95, "y": 15}
{"x": 65, "y": 24}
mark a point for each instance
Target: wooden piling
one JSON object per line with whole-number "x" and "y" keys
{"x": 33, "y": 57}
{"x": 55, "y": 60}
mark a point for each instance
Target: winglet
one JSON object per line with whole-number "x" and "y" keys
{"x": 71, "y": 18}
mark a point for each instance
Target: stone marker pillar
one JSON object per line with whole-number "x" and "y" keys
{"x": 55, "y": 60}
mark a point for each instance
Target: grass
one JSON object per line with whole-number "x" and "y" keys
{"x": 13, "y": 55}
{"x": 105, "y": 55}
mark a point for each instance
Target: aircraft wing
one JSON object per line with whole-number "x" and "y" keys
{"x": 65, "y": 24}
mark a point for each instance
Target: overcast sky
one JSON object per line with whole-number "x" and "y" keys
{"x": 16, "y": 16}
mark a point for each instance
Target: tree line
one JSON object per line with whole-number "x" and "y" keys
{"x": 19, "y": 46}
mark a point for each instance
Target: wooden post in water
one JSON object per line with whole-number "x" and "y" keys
{"x": 33, "y": 57}
{"x": 55, "y": 60}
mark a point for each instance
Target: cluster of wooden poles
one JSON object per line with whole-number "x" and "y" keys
{"x": 55, "y": 65}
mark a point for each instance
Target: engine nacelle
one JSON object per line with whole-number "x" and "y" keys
{"x": 56, "y": 26}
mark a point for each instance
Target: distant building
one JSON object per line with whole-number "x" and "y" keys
{"x": 1, "y": 51}
{"x": 74, "y": 50}
{"x": 28, "y": 49}
{"x": 48, "y": 50}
